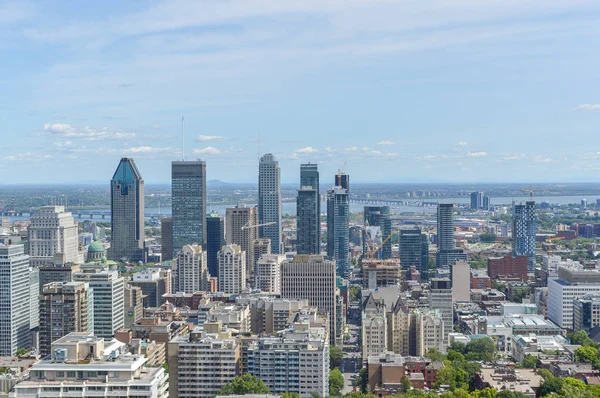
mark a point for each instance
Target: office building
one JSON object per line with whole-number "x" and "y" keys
{"x": 192, "y": 271}
{"x": 524, "y": 230}
{"x": 269, "y": 202}
{"x": 342, "y": 180}
{"x": 308, "y": 239}
{"x": 268, "y": 273}
{"x": 232, "y": 269}
{"x": 338, "y": 232}
{"x": 461, "y": 281}
{"x": 508, "y": 267}
{"x": 215, "y": 239}
{"x": 313, "y": 278}
{"x": 378, "y": 230}
{"x": 586, "y": 312}
{"x": 133, "y": 306}
{"x": 242, "y": 230}
{"x": 65, "y": 307}
{"x": 15, "y": 296}
{"x": 296, "y": 361}
{"x": 52, "y": 230}
{"x": 200, "y": 363}
{"x": 260, "y": 247}
{"x": 153, "y": 284}
{"x": 87, "y": 366}
{"x": 188, "y": 190}
{"x": 166, "y": 238}
{"x": 414, "y": 251}
{"x": 269, "y": 315}
{"x": 487, "y": 204}
{"x": 440, "y": 298}
{"x": 476, "y": 200}
{"x": 447, "y": 253}
{"x": 374, "y": 327}
{"x": 58, "y": 271}
{"x": 127, "y": 213}
{"x": 108, "y": 298}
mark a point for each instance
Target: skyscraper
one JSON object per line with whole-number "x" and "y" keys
{"x": 166, "y": 238}
{"x": 414, "y": 251}
{"x": 52, "y": 230}
{"x": 127, "y": 213}
{"x": 342, "y": 180}
{"x": 309, "y": 177}
{"x": 269, "y": 201}
{"x": 307, "y": 222}
{"x": 378, "y": 228}
{"x": 14, "y": 296}
{"x": 192, "y": 273}
{"x": 524, "y": 230}
{"x": 241, "y": 230}
{"x": 476, "y": 200}
{"x": 338, "y": 231}
{"x": 232, "y": 269}
{"x": 440, "y": 298}
{"x": 486, "y": 202}
{"x": 215, "y": 239}
{"x": 447, "y": 252}
{"x": 188, "y": 190}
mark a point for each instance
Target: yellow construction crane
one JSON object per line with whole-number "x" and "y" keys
{"x": 375, "y": 248}
{"x": 530, "y": 190}
{"x": 248, "y": 225}
{"x": 549, "y": 243}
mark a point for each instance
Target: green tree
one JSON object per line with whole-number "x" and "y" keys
{"x": 406, "y": 386}
{"x": 22, "y": 351}
{"x": 456, "y": 346}
{"x": 245, "y": 384}
{"x": 487, "y": 237}
{"x": 336, "y": 382}
{"x": 552, "y": 385}
{"x": 435, "y": 355}
{"x": 336, "y": 356}
{"x": 362, "y": 381}
{"x": 354, "y": 293}
{"x": 530, "y": 361}
{"x": 356, "y": 394}
{"x": 455, "y": 356}
{"x": 290, "y": 395}
{"x": 586, "y": 354}
{"x": 510, "y": 394}
{"x": 483, "y": 349}
{"x": 485, "y": 393}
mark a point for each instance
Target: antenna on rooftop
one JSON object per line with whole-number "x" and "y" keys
{"x": 182, "y": 138}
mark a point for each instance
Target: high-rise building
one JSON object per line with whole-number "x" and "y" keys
{"x": 58, "y": 271}
{"x": 34, "y": 303}
{"x": 461, "y": 281}
{"x": 53, "y": 230}
{"x": 313, "y": 278}
{"x": 486, "y": 202}
{"x": 586, "y": 312}
{"x": 338, "y": 232}
{"x": 342, "y": 180}
{"x": 127, "y": 213}
{"x": 108, "y": 291}
{"x": 14, "y": 296}
{"x": 268, "y": 273}
{"x": 232, "y": 269}
{"x": 133, "y": 305}
{"x": 166, "y": 238}
{"x": 215, "y": 239}
{"x": 269, "y": 201}
{"x": 476, "y": 200}
{"x": 153, "y": 285}
{"x": 188, "y": 187}
{"x": 374, "y": 327}
{"x": 524, "y": 230}
{"x": 192, "y": 270}
{"x": 447, "y": 253}
{"x": 429, "y": 331}
{"x": 260, "y": 247}
{"x": 307, "y": 222}
{"x": 378, "y": 228}
{"x": 440, "y": 298}
{"x": 242, "y": 231}
{"x": 414, "y": 251}
{"x": 65, "y": 307}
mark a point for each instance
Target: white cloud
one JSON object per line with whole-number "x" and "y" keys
{"x": 588, "y": 107}
{"x": 209, "y": 150}
{"x": 147, "y": 149}
{"x": 542, "y": 159}
{"x": 307, "y": 149}
{"x": 210, "y": 138}
{"x": 28, "y": 156}
{"x": 462, "y": 143}
{"x": 430, "y": 157}
{"x": 513, "y": 156}
{"x": 87, "y": 133}
{"x": 477, "y": 154}
{"x": 385, "y": 143}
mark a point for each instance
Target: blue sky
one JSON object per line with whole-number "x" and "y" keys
{"x": 404, "y": 91}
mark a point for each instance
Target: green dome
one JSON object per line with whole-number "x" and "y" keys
{"x": 96, "y": 247}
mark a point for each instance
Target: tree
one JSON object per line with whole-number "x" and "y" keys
{"x": 510, "y": 394}
{"x": 586, "y": 354}
{"x": 356, "y": 394}
{"x": 406, "y": 385}
{"x": 483, "y": 349}
{"x": 22, "y": 351}
{"x": 245, "y": 384}
{"x": 456, "y": 346}
{"x": 336, "y": 382}
{"x": 455, "y": 356}
{"x": 435, "y": 355}
{"x": 530, "y": 361}
{"x": 290, "y": 395}
{"x": 362, "y": 381}
{"x": 336, "y": 355}
{"x": 550, "y": 386}
{"x": 487, "y": 238}
{"x": 354, "y": 293}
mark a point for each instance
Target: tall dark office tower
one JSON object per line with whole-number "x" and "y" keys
{"x": 309, "y": 177}
{"x": 307, "y": 220}
{"x": 486, "y": 202}
{"x": 188, "y": 191}
{"x": 524, "y": 230}
{"x": 215, "y": 240}
{"x": 166, "y": 238}
{"x": 127, "y": 213}
{"x": 379, "y": 217}
{"x": 476, "y": 200}
{"x": 342, "y": 180}
{"x": 414, "y": 251}
{"x": 338, "y": 231}
{"x": 447, "y": 253}
{"x": 269, "y": 201}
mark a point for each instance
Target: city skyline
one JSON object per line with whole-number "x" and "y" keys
{"x": 456, "y": 92}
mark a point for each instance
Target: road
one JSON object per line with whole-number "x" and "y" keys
{"x": 352, "y": 355}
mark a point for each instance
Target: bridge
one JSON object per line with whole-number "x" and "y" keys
{"x": 395, "y": 202}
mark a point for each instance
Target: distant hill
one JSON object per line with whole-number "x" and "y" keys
{"x": 217, "y": 183}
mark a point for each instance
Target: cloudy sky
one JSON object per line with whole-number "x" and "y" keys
{"x": 415, "y": 91}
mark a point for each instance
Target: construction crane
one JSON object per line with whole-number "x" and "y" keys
{"x": 248, "y": 225}
{"x": 341, "y": 171}
{"x": 375, "y": 248}
{"x": 549, "y": 243}
{"x": 530, "y": 190}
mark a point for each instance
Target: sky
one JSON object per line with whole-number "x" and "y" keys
{"x": 400, "y": 91}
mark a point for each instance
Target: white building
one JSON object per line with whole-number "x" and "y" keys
{"x": 109, "y": 300}
{"x": 52, "y": 230}
{"x": 430, "y": 331}
{"x": 85, "y": 366}
{"x": 574, "y": 281}
{"x": 267, "y": 276}
{"x": 192, "y": 270}
{"x": 374, "y": 327}
{"x": 440, "y": 298}
{"x": 297, "y": 361}
{"x": 15, "y": 300}
{"x": 311, "y": 277}
{"x": 232, "y": 269}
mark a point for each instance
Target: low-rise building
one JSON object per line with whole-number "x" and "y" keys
{"x": 502, "y": 378}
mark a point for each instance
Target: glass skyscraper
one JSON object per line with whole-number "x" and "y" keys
{"x": 127, "y": 213}
{"x": 188, "y": 188}
{"x": 269, "y": 201}
{"x": 215, "y": 240}
{"x": 308, "y": 211}
{"x": 378, "y": 217}
{"x": 414, "y": 251}
{"x": 338, "y": 232}
{"x": 524, "y": 230}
